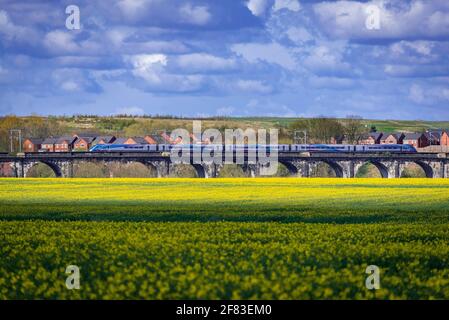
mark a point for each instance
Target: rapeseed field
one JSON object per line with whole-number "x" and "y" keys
{"x": 274, "y": 238}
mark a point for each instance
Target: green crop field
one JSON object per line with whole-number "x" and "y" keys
{"x": 275, "y": 238}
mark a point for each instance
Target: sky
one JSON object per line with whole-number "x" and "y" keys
{"x": 380, "y": 59}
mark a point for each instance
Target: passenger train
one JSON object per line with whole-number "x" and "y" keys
{"x": 334, "y": 148}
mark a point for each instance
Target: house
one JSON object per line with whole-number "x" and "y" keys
{"x": 64, "y": 144}
{"x": 32, "y": 145}
{"x": 371, "y": 138}
{"x": 83, "y": 143}
{"x": 120, "y": 141}
{"x": 48, "y": 144}
{"x": 154, "y": 139}
{"x": 439, "y": 137}
{"x": 104, "y": 140}
{"x": 338, "y": 140}
{"x": 392, "y": 138}
{"x": 417, "y": 140}
{"x": 198, "y": 139}
{"x": 444, "y": 141}
{"x": 169, "y": 140}
{"x": 132, "y": 140}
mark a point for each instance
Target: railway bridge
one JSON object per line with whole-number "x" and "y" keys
{"x": 345, "y": 165}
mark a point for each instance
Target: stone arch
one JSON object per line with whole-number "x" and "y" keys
{"x": 200, "y": 171}
{"x": 80, "y": 167}
{"x": 292, "y": 169}
{"x": 231, "y": 170}
{"x": 383, "y": 170}
{"x": 53, "y": 166}
{"x": 186, "y": 170}
{"x": 338, "y": 170}
{"x": 249, "y": 169}
{"x": 428, "y": 171}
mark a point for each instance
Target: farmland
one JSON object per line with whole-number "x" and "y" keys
{"x": 276, "y": 238}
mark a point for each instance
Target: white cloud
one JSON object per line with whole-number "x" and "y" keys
{"x": 325, "y": 60}
{"x": 152, "y": 68}
{"x": 132, "y": 8}
{"x": 331, "y": 82}
{"x": 60, "y": 42}
{"x": 135, "y": 111}
{"x": 420, "y": 47}
{"x": 74, "y": 80}
{"x": 346, "y": 19}
{"x": 148, "y": 66}
{"x": 299, "y": 35}
{"x": 198, "y": 15}
{"x": 428, "y": 96}
{"x": 11, "y": 31}
{"x": 257, "y": 7}
{"x": 202, "y": 62}
{"x": 268, "y": 52}
{"x": 292, "y": 5}
{"x": 254, "y": 86}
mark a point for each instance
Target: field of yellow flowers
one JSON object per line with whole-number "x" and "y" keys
{"x": 274, "y": 238}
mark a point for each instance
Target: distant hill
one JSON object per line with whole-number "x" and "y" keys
{"x": 36, "y": 126}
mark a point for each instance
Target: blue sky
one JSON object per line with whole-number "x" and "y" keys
{"x": 226, "y": 57}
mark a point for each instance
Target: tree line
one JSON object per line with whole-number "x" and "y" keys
{"x": 319, "y": 130}
{"x": 324, "y": 130}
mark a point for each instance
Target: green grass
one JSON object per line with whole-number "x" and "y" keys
{"x": 277, "y": 238}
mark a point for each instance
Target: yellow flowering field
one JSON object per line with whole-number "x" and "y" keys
{"x": 274, "y": 238}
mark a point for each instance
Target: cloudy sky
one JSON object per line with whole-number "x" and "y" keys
{"x": 226, "y": 57}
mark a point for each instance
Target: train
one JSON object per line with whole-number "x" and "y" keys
{"x": 333, "y": 148}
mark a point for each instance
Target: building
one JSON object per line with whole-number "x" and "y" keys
{"x": 169, "y": 140}
{"x": 132, "y": 140}
{"x": 64, "y": 144}
{"x": 83, "y": 143}
{"x": 154, "y": 139}
{"x": 392, "y": 138}
{"x": 417, "y": 140}
{"x": 444, "y": 141}
{"x": 371, "y": 138}
{"x": 48, "y": 145}
{"x": 338, "y": 140}
{"x": 439, "y": 137}
{"x": 104, "y": 140}
{"x": 32, "y": 145}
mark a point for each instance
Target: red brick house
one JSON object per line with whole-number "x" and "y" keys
{"x": 392, "y": 138}
{"x": 64, "y": 144}
{"x": 169, "y": 140}
{"x": 444, "y": 141}
{"x": 32, "y": 145}
{"x": 104, "y": 140}
{"x": 154, "y": 139}
{"x": 48, "y": 144}
{"x": 83, "y": 143}
{"x": 371, "y": 138}
{"x": 417, "y": 140}
{"x": 438, "y": 137}
{"x": 132, "y": 140}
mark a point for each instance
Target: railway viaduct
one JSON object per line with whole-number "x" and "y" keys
{"x": 345, "y": 165}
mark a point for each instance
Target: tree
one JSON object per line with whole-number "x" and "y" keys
{"x": 354, "y": 129}
{"x": 320, "y": 129}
